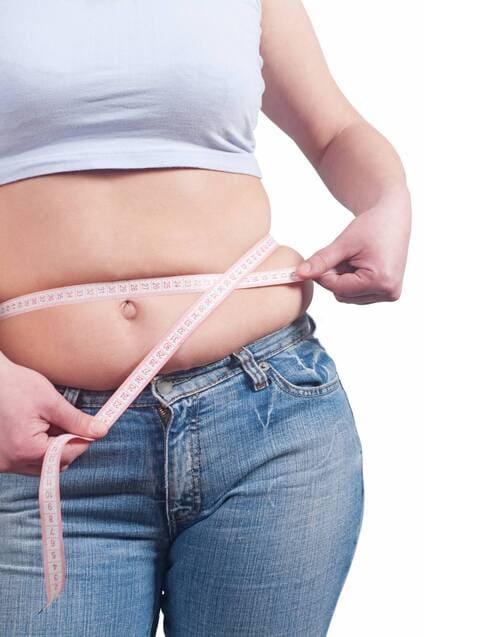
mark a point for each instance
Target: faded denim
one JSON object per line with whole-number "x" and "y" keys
{"x": 228, "y": 496}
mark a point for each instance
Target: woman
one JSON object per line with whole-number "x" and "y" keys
{"x": 229, "y": 494}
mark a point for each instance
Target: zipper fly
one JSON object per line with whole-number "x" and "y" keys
{"x": 166, "y": 414}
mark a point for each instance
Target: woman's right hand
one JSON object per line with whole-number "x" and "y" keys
{"x": 31, "y": 412}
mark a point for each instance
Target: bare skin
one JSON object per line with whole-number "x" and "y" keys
{"x": 110, "y": 225}
{"x": 88, "y": 226}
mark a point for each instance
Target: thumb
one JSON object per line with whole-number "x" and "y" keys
{"x": 322, "y": 260}
{"x": 66, "y": 416}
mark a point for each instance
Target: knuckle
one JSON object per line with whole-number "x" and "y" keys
{"x": 55, "y": 401}
{"x": 394, "y": 296}
{"x": 320, "y": 261}
{"x": 390, "y": 286}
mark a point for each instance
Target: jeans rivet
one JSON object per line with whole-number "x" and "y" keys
{"x": 264, "y": 365}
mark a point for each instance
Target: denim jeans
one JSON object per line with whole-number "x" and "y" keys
{"x": 228, "y": 496}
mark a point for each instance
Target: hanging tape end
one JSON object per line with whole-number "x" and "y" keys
{"x": 47, "y": 606}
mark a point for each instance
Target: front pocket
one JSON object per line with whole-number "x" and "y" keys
{"x": 304, "y": 369}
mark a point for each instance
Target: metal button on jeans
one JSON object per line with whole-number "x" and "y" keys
{"x": 164, "y": 386}
{"x": 264, "y": 365}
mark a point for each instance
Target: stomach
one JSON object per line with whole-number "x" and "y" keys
{"x": 106, "y": 225}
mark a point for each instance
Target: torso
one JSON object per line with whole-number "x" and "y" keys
{"x": 105, "y": 225}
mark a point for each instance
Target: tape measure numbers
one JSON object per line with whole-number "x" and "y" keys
{"x": 215, "y": 288}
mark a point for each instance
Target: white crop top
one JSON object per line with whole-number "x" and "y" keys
{"x": 128, "y": 84}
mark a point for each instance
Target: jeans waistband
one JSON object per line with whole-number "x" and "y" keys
{"x": 170, "y": 387}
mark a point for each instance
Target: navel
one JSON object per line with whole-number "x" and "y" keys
{"x": 128, "y": 309}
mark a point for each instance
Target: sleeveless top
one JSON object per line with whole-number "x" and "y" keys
{"x": 128, "y": 84}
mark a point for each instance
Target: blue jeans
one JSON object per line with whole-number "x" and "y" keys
{"x": 229, "y": 496}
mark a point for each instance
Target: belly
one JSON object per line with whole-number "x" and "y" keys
{"x": 89, "y": 226}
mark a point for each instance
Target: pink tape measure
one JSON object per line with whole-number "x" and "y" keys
{"x": 217, "y": 287}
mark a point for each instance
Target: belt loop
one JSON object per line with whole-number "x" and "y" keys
{"x": 250, "y": 366}
{"x": 71, "y": 394}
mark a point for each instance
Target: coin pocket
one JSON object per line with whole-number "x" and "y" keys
{"x": 304, "y": 369}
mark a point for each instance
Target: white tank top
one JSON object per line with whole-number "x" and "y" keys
{"x": 128, "y": 84}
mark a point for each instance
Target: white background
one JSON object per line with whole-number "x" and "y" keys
{"x": 374, "y": 51}
{"x": 406, "y": 67}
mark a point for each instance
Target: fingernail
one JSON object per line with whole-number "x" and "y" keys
{"x": 98, "y": 427}
{"x": 304, "y": 268}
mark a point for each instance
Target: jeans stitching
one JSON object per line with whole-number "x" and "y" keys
{"x": 169, "y": 517}
{"x": 299, "y": 338}
{"x": 303, "y": 392}
{"x": 196, "y": 466}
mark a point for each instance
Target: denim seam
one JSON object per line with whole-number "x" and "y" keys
{"x": 249, "y": 364}
{"x": 88, "y": 404}
{"x": 234, "y": 372}
{"x": 169, "y": 517}
{"x": 355, "y": 432}
{"x": 206, "y": 387}
{"x": 198, "y": 452}
{"x": 195, "y": 466}
{"x": 299, "y": 392}
{"x": 296, "y": 341}
{"x": 237, "y": 371}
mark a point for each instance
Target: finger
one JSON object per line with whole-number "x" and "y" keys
{"x": 66, "y": 416}
{"x": 376, "y": 293}
{"x": 73, "y": 449}
{"x": 35, "y": 470}
{"x": 28, "y": 470}
{"x": 323, "y": 260}
{"x": 365, "y": 299}
{"x": 39, "y": 444}
{"x": 355, "y": 283}
{"x": 35, "y": 467}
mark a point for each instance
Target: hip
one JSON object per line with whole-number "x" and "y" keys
{"x": 274, "y": 410}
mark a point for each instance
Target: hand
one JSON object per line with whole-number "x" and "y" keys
{"x": 31, "y": 412}
{"x": 366, "y": 262}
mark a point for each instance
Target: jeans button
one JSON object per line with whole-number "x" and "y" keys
{"x": 164, "y": 386}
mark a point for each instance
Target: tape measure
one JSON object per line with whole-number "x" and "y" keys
{"x": 216, "y": 288}
{"x": 154, "y": 286}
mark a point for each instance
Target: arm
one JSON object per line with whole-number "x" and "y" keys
{"x": 357, "y": 163}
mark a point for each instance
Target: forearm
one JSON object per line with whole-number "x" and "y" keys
{"x": 361, "y": 168}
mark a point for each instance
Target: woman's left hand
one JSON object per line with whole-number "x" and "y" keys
{"x": 366, "y": 262}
